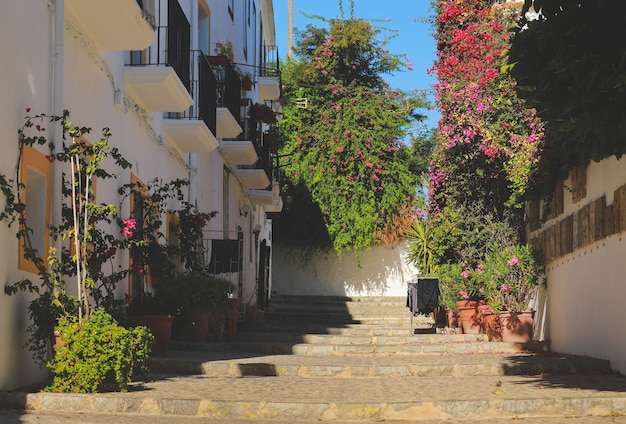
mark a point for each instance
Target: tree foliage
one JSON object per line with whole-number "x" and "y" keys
{"x": 342, "y": 154}
{"x": 570, "y": 64}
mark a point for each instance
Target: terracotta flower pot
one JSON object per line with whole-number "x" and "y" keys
{"x": 161, "y": 328}
{"x": 492, "y": 327}
{"x": 517, "y": 327}
{"x": 453, "y": 318}
{"x": 246, "y": 83}
{"x": 471, "y": 316}
{"x": 198, "y": 329}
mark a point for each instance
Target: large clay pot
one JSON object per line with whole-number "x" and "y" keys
{"x": 161, "y": 328}
{"x": 517, "y": 326}
{"x": 453, "y": 319}
{"x": 491, "y": 323}
{"x": 198, "y": 329}
{"x": 233, "y": 316}
{"x": 471, "y": 316}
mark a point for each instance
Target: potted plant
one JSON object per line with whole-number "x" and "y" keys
{"x": 246, "y": 81}
{"x": 421, "y": 245}
{"x": 449, "y": 292}
{"x": 515, "y": 272}
{"x": 191, "y": 292}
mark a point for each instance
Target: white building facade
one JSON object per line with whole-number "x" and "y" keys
{"x": 148, "y": 70}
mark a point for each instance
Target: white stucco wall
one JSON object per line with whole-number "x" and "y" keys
{"x": 586, "y": 299}
{"x": 587, "y": 302}
{"x": 25, "y": 83}
{"x": 383, "y": 272}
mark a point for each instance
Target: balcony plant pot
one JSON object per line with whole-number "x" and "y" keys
{"x": 517, "y": 327}
{"x": 246, "y": 83}
{"x": 471, "y": 316}
{"x": 161, "y": 328}
{"x": 219, "y": 60}
{"x": 244, "y": 101}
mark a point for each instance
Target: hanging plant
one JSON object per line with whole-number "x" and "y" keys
{"x": 261, "y": 112}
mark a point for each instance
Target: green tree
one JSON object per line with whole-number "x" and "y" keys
{"x": 345, "y": 165}
{"x": 569, "y": 63}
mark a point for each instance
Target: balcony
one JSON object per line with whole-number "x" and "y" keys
{"x": 239, "y": 152}
{"x": 257, "y": 176}
{"x": 194, "y": 129}
{"x": 252, "y": 178}
{"x": 114, "y": 24}
{"x": 270, "y": 199}
{"x": 268, "y": 82}
{"x": 158, "y": 78}
{"x": 228, "y": 97}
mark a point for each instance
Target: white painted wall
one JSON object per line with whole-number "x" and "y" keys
{"x": 383, "y": 272}
{"x": 90, "y": 79}
{"x": 586, "y": 296}
{"x": 587, "y": 302}
{"x": 25, "y": 83}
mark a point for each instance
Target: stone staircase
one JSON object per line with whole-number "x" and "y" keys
{"x": 359, "y": 359}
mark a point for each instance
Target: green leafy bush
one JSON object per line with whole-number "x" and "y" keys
{"x": 98, "y": 355}
{"x": 513, "y": 273}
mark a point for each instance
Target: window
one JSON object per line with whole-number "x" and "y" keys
{"x": 255, "y": 36}
{"x": 35, "y": 174}
{"x": 246, "y": 24}
{"x": 204, "y": 31}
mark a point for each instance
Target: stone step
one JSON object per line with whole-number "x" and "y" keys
{"x": 334, "y": 304}
{"x": 350, "y": 308}
{"x": 224, "y": 364}
{"x": 364, "y": 399}
{"x": 336, "y": 300}
{"x": 400, "y": 338}
{"x": 349, "y": 330}
{"x": 416, "y": 348}
{"x": 335, "y": 320}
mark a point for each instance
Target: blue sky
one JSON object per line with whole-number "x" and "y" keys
{"x": 414, "y": 37}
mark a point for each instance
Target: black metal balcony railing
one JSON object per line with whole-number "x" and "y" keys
{"x": 262, "y": 146}
{"x": 171, "y": 47}
{"x": 228, "y": 85}
{"x": 203, "y": 90}
{"x": 270, "y": 65}
{"x": 206, "y": 99}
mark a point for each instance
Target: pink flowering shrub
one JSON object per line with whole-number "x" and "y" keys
{"x": 487, "y": 141}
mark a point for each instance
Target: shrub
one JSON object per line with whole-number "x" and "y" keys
{"x": 98, "y": 355}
